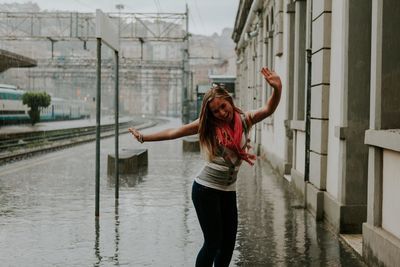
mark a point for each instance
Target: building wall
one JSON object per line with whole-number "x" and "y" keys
{"x": 381, "y": 242}
{"x": 352, "y": 181}
{"x": 335, "y": 145}
{"x": 263, "y": 45}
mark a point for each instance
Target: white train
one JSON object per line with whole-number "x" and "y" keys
{"x": 13, "y": 111}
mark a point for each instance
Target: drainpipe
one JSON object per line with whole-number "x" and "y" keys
{"x": 308, "y": 102}
{"x": 308, "y": 117}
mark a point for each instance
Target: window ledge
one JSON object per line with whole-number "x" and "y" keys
{"x": 389, "y": 139}
{"x": 298, "y": 125}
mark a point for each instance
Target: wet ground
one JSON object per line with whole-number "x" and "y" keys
{"x": 47, "y": 214}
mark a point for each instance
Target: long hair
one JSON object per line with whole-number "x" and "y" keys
{"x": 207, "y": 121}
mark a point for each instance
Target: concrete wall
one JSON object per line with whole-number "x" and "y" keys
{"x": 346, "y": 194}
{"x": 354, "y": 86}
{"x": 390, "y": 192}
{"x": 265, "y": 41}
{"x": 278, "y": 141}
{"x": 381, "y": 240}
{"x": 299, "y": 93}
{"x": 335, "y": 145}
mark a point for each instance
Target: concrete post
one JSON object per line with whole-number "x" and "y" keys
{"x": 353, "y": 193}
{"x": 381, "y": 245}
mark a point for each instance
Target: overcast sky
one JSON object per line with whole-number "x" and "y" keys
{"x": 205, "y": 16}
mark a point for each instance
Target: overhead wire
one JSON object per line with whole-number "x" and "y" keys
{"x": 84, "y": 4}
{"x": 159, "y": 4}
{"x": 198, "y": 13}
{"x": 193, "y": 20}
{"x": 156, "y": 3}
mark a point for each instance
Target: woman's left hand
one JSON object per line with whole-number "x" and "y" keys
{"x": 136, "y": 134}
{"x": 272, "y": 78}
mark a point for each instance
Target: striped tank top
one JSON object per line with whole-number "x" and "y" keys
{"x": 221, "y": 172}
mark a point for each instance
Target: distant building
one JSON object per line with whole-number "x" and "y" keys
{"x": 150, "y": 71}
{"x": 228, "y": 81}
{"x": 351, "y": 178}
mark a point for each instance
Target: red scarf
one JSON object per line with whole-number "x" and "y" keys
{"x": 232, "y": 138}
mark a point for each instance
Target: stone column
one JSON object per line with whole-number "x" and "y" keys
{"x": 299, "y": 85}
{"x": 320, "y": 83}
{"x": 381, "y": 232}
{"x": 290, "y": 43}
{"x": 348, "y": 211}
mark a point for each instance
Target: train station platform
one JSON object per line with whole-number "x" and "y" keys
{"x": 12, "y": 60}
{"x": 57, "y": 125}
{"x": 21, "y": 141}
{"x": 48, "y": 202}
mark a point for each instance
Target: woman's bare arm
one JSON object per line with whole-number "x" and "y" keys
{"x": 272, "y": 103}
{"x": 167, "y": 134}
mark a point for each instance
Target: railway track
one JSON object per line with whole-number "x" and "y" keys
{"x": 17, "y": 146}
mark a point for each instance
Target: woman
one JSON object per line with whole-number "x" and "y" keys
{"x": 223, "y": 133}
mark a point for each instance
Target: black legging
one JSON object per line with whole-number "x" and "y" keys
{"x": 217, "y": 214}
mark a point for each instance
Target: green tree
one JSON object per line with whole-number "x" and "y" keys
{"x": 36, "y": 100}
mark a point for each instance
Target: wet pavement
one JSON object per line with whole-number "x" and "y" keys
{"x": 47, "y": 213}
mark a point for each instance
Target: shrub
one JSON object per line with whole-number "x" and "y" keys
{"x": 36, "y": 100}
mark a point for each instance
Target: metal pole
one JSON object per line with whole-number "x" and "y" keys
{"x": 308, "y": 117}
{"x": 98, "y": 115}
{"x": 186, "y": 74}
{"x": 116, "y": 125}
{"x": 183, "y": 88}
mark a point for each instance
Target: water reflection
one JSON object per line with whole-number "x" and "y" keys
{"x": 274, "y": 231}
{"x": 154, "y": 222}
{"x": 116, "y": 240}
{"x": 97, "y": 249}
{"x": 128, "y": 180}
{"x": 97, "y": 242}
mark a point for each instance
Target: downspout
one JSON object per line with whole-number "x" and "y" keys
{"x": 308, "y": 103}
{"x": 308, "y": 117}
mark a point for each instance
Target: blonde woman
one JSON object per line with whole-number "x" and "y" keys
{"x": 223, "y": 132}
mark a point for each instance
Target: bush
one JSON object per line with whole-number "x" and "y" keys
{"x": 36, "y": 100}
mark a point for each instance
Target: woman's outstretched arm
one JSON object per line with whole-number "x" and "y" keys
{"x": 167, "y": 134}
{"x": 272, "y": 103}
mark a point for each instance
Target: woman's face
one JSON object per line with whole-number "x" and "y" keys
{"x": 221, "y": 109}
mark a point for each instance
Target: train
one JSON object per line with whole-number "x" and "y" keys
{"x": 12, "y": 111}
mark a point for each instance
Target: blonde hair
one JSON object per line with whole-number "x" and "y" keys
{"x": 207, "y": 121}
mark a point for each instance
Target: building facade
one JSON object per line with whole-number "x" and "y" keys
{"x": 335, "y": 134}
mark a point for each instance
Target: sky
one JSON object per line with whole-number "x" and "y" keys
{"x": 205, "y": 16}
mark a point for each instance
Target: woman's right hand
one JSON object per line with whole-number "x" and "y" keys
{"x": 136, "y": 134}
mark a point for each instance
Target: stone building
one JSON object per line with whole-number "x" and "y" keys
{"x": 336, "y": 132}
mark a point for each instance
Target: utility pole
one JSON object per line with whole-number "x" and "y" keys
{"x": 119, "y": 7}
{"x": 186, "y": 73}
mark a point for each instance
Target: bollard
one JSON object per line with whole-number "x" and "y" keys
{"x": 191, "y": 143}
{"x": 129, "y": 161}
